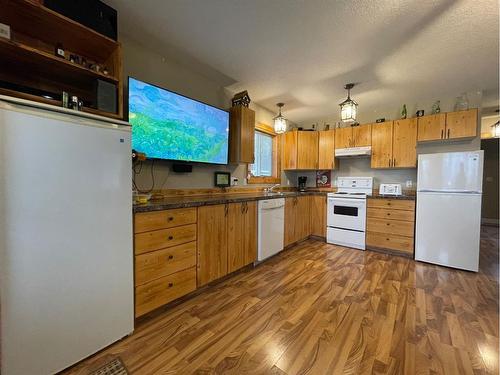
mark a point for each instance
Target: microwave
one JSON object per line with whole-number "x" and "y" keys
{"x": 390, "y": 189}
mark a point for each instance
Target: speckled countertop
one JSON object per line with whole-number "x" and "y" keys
{"x": 207, "y": 200}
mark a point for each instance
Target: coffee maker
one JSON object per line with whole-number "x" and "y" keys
{"x": 302, "y": 183}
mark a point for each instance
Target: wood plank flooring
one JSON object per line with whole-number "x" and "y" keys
{"x": 324, "y": 309}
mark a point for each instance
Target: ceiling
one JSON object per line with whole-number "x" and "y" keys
{"x": 303, "y": 52}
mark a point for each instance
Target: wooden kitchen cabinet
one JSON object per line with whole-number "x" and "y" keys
{"x": 431, "y": 127}
{"x": 165, "y": 244}
{"x": 343, "y": 137}
{"x": 462, "y": 124}
{"x": 242, "y": 235}
{"x": 362, "y": 135}
{"x": 404, "y": 143}
{"x": 297, "y": 219}
{"x": 353, "y": 136}
{"x": 391, "y": 225}
{"x": 394, "y": 144}
{"x": 289, "y": 150}
{"x": 382, "y": 145}
{"x": 241, "y": 135}
{"x": 318, "y": 215}
{"x": 326, "y": 149}
{"x": 300, "y": 150}
{"x": 212, "y": 243}
{"x": 445, "y": 126}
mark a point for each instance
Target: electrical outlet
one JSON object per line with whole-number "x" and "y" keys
{"x": 234, "y": 181}
{"x": 409, "y": 183}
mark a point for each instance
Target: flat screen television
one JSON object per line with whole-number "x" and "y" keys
{"x": 169, "y": 126}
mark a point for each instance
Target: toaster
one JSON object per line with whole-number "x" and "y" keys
{"x": 390, "y": 189}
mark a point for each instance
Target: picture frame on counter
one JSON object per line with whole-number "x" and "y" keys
{"x": 222, "y": 179}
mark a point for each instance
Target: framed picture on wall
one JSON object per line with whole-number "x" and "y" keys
{"x": 324, "y": 179}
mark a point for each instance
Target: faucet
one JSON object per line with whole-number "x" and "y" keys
{"x": 270, "y": 189}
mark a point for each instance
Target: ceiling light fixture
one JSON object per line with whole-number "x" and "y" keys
{"x": 348, "y": 108}
{"x": 280, "y": 121}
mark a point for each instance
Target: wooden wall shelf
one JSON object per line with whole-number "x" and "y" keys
{"x": 28, "y": 60}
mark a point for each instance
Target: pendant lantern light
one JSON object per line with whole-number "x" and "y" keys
{"x": 348, "y": 108}
{"x": 280, "y": 121}
{"x": 495, "y": 130}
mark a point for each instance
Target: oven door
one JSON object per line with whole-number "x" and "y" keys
{"x": 345, "y": 213}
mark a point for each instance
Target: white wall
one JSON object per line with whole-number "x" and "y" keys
{"x": 150, "y": 66}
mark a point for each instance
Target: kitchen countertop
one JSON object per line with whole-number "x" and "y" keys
{"x": 208, "y": 200}
{"x": 405, "y": 196}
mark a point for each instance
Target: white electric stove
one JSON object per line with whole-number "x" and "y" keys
{"x": 346, "y": 212}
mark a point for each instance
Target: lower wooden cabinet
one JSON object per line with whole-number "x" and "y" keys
{"x": 242, "y": 235}
{"x": 391, "y": 225}
{"x": 212, "y": 243}
{"x": 318, "y": 215}
{"x": 165, "y": 245}
{"x": 227, "y": 239}
{"x": 297, "y": 219}
{"x": 163, "y": 290}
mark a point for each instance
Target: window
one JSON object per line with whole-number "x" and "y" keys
{"x": 263, "y": 165}
{"x": 266, "y": 167}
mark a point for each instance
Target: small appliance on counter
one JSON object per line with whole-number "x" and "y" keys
{"x": 302, "y": 183}
{"x": 390, "y": 189}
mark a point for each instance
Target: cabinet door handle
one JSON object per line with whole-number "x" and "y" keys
{"x": 170, "y": 218}
{"x": 394, "y": 162}
{"x": 242, "y": 207}
{"x": 170, "y": 237}
{"x": 448, "y": 133}
{"x": 170, "y": 257}
{"x": 226, "y": 209}
{"x": 170, "y": 285}
{"x": 442, "y": 133}
{"x": 246, "y": 207}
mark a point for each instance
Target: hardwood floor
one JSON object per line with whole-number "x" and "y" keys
{"x": 324, "y": 309}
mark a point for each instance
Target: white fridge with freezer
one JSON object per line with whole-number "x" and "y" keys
{"x": 66, "y": 257}
{"x": 448, "y": 223}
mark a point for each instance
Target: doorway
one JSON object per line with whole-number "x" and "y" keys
{"x": 489, "y": 209}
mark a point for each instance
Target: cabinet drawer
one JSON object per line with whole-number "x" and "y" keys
{"x": 161, "y": 291}
{"x": 387, "y": 213}
{"x": 395, "y": 204}
{"x": 163, "y": 238}
{"x": 403, "y": 228}
{"x": 146, "y": 221}
{"x": 159, "y": 263}
{"x": 390, "y": 241}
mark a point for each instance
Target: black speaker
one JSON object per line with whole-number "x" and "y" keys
{"x": 182, "y": 168}
{"x": 91, "y": 13}
{"x": 106, "y": 96}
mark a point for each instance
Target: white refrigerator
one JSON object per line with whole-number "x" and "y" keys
{"x": 66, "y": 257}
{"x": 448, "y": 224}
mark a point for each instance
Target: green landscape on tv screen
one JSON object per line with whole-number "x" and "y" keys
{"x": 169, "y": 126}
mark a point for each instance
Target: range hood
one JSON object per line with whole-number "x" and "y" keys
{"x": 353, "y": 152}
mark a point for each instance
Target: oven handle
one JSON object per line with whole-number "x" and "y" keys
{"x": 351, "y": 202}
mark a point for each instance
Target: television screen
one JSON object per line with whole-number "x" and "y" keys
{"x": 166, "y": 125}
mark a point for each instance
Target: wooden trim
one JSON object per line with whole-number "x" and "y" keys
{"x": 276, "y": 177}
{"x": 264, "y": 128}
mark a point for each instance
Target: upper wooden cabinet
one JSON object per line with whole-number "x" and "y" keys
{"x": 353, "y": 136}
{"x": 451, "y": 125}
{"x": 431, "y": 127}
{"x": 300, "y": 150}
{"x": 394, "y": 144}
{"x": 404, "y": 143}
{"x": 326, "y": 149}
{"x": 462, "y": 124}
{"x": 241, "y": 135}
{"x": 362, "y": 135}
{"x": 382, "y": 145}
